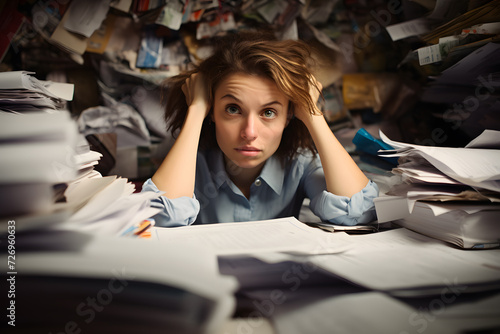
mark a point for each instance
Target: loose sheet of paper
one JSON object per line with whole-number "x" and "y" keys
{"x": 86, "y": 16}
{"x": 369, "y": 312}
{"x": 277, "y": 235}
{"x": 404, "y": 260}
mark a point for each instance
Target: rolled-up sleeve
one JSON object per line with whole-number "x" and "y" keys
{"x": 180, "y": 211}
{"x": 342, "y": 210}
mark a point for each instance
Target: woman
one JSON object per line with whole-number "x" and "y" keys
{"x": 249, "y": 137}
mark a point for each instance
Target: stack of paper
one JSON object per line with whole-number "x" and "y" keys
{"x": 471, "y": 166}
{"x": 469, "y": 176}
{"x": 86, "y": 160}
{"x": 101, "y": 284}
{"x": 47, "y": 175}
{"x": 22, "y": 92}
{"x": 37, "y": 152}
{"x": 106, "y": 206}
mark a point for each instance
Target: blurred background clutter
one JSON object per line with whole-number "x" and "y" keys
{"x": 423, "y": 71}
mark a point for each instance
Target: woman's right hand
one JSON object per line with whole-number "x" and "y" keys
{"x": 177, "y": 173}
{"x": 195, "y": 91}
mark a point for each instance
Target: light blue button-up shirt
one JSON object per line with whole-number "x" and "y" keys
{"x": 278, "y": 192}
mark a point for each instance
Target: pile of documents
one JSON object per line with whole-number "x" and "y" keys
{"x": 48, "y": 177}
{"x": 100, "y": 284}
{"x": 37, "y": 150}
{"x": 48, "y": 171}
{"x": 21, "y": 92}
{"x": 108, "y": 206}
{"x": 449, "y": 193}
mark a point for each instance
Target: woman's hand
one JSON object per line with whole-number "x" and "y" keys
{"x": 343, "y": 177}
{"x": 176, "y": 175}
{"x": 196, "y": 93}
{"x": 315, "y": 88}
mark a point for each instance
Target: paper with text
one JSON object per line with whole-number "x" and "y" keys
{"x": 275, "y": 235}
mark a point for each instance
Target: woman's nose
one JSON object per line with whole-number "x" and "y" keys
{"x": 249, "y": 130}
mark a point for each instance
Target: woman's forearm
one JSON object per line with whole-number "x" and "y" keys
{"x": 342, "y": 174}
{"x": 176, "y": 174}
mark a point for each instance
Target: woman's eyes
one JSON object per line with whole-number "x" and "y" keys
{"x": 267, "y": 113}
{"x": 232, "y": 109}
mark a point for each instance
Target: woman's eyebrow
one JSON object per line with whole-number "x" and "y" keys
{"x": 272, "y": 102}
{"x": 230, "y": 96}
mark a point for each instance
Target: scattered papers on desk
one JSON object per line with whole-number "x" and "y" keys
{"x": 394, "y": 280}
{"x": 275, "y": 235}
{"x": 406, "y": 263}
{"x": 136, "y": 286}
{"x": 360, "y": 313}
{"x": 378, "y": 313}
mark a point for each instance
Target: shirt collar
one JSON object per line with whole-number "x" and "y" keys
{"x": 272, "y": 174}
{"x": 217, "y": 168}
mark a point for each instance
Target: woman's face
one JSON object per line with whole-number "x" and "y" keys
{"x": 250, "y": 114}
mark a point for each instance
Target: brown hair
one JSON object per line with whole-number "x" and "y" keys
{"x": 284, "y": 62}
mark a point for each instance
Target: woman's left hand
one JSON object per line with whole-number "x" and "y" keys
{"x": 315, "y": 88}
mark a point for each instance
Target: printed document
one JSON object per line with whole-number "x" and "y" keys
{"x": 275, "y": 235}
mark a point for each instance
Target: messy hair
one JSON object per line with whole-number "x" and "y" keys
{"x": 286, "y": 63}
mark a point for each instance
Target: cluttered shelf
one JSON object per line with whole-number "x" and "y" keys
{"x": 411, "y": 91}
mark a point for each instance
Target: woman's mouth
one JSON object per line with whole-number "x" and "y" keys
{"x": 248, "y": 151}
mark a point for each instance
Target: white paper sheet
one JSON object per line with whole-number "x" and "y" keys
{"x": 404, "y": 260}
{"x": 86, "y": 16}
{"x": 360, "y": 313}
{"x": 277, "y": 235}
{"x": 487, "y": 139}
{"x": 107, "y": 206}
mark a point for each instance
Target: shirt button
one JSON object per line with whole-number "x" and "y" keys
{"x": 258, "y": 182}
